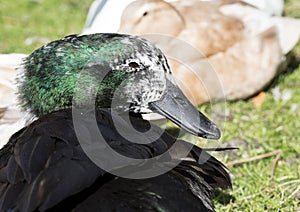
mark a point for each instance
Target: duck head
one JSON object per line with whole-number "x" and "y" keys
{"x": 130, "y": 74}
{"x": 140, "y": 16}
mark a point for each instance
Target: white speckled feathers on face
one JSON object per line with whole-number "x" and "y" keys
{"x": 145, "y": 85}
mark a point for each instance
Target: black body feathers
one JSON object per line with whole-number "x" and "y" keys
{"x": 43, "y": 167}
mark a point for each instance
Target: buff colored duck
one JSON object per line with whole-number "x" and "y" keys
{"x": 243, "y": 46}
{"x": 238, "y": 40}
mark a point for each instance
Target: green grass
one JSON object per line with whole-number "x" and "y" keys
{"x": 38, "y": 22}
{"x": 273, "y": 126}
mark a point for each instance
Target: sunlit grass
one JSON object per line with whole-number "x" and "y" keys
{"x": 28, "y": 24}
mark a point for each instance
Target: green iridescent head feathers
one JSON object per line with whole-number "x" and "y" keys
{"x": 112, "y": 61}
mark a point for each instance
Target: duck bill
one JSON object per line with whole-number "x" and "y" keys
{"x": 175, "y": 106}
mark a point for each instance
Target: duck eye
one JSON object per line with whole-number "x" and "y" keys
{"x": 133, "y": 65}
{"x": 145, "y": 13}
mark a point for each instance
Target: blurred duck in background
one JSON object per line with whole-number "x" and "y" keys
{"x": 242, "y": 45}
